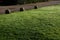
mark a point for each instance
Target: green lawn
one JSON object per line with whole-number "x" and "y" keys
{"x": 36, "y": 24}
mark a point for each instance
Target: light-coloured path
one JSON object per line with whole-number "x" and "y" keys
{"x": 27, "y": 6}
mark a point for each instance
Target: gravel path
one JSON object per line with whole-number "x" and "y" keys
{"x": 27, "y": 6}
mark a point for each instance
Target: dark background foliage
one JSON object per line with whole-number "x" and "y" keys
{"x": 14, "y": 2}
{"x": 29, "y": 1}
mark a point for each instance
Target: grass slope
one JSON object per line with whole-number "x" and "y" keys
{"x": 40, "y": 24}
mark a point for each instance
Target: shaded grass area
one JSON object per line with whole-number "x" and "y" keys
{"x": 39, "y": 24}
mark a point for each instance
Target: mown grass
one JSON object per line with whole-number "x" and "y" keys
{"x": 39, "y": 24}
